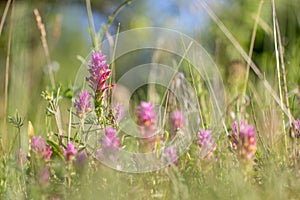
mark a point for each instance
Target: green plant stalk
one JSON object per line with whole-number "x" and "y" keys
{"x": 279, "y": 74}
{"x": 112, "y": 80}
{"x": 239, "y": 48}
{"x": 98, "y": 106}
{"x": 91, "y": 23}
{"x": 252, "y": 46}
{"x": 281, "y": 55}
{"x": 111, "y": 18}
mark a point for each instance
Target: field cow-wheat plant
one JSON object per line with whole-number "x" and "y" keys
{"x": 141, "y": 99}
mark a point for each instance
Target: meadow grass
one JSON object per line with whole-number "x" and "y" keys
{"x": 44, "y": 148}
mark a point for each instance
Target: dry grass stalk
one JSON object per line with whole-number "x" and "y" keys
{"x": 47, "y": 54}
{"x": 4, "y": 15}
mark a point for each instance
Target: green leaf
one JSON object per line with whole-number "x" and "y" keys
{"x": 55, "y": 148}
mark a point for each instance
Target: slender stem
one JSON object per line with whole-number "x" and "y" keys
{"x": 278, "y": 72}
{"x": 4, "y": 15}
{"x": 112, "y": 80}
{"x": 91, "y": 23}
{"x": 255, "y": 122}
{"x": 45, "y": 45}
{"x": 252, "y": 46}
{"x": 112, "y": 17}
{"x": 70, "y": 124}
{"x": 281, "y": 53}
{"x": 51, "y": 75}
{"x": 4, "y": 137}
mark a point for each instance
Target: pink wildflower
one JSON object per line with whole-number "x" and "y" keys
{"x": 99, "y": 73}
{"x": 206, "y": 142}
{"x": 40, "y": 148}
{"x": 70, "y": 152}
{"x": 83, "y": 104}
{"x": 244, "y": 139}
{"x": 147, "y": 118}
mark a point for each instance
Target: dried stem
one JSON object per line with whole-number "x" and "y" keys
{"x": 45, "y": 45}
{"x": 281, "y": 54}
{"x": 4, "y": 15}
{"x": 278, "y": 72}
{"x": 51, "y": 75}
{"x": 252, "y": 46}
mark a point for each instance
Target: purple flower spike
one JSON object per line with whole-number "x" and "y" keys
{"x": 70, "y": 152}
{"x": 99, "y": 72}
{"x": 204, "y": 137}
{"x": 244, "y": 139}
{"x": 83, "y": 104}
{"x": 40, "y": 148}
{"x": 147, "y": 119}
{"x": 176, "y": 120}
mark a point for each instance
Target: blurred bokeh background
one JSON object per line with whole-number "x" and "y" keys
{"x": 67, "y": 26}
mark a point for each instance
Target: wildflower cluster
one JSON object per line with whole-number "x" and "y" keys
{"x": 40, "y": 148}
{"x": 83, "y": 104}
{"x": 206, "y": 142}
{"x": 243, "y": 139}
{"x": 146, "y": 118}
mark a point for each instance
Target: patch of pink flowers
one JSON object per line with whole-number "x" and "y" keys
{"x": 146, "y": 118}
{"x": 70, "y": 152}
{"x": 40, "y": 148}
{"x": 243, "y": 138}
